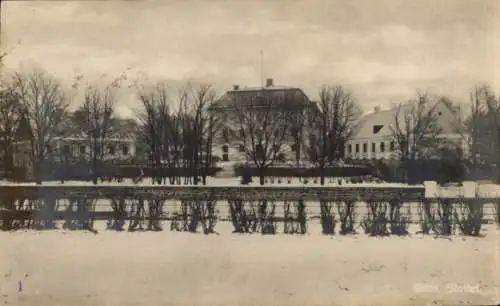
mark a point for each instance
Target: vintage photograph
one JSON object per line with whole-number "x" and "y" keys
{"x": 280, "y": 152}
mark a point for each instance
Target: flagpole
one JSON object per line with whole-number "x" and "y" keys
{"x": 262, "y": 68}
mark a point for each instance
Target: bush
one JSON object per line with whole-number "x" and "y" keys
{"x": 295, "y": 218}
{"x": 82, "y": 218}
{"x": 436, "y": 218}
{"x": 195, "y": 213}
{"x": 398, "y": 222}
{"x": 267, "y": 217}
{"x": 347, "y": 216}
{"x": 327, "y": 217}
{"x": 244, "y": 219}
{"x": 344, "y": 171}
{"x": 468, "y": 215}
{"x": 137, "y": 215}
{"x": 117, "y": 221}
{"x": 155, "y": 211}
{"x": 375, "y": 224}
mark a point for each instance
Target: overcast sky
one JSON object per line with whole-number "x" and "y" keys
{"x": 383, "y": 50}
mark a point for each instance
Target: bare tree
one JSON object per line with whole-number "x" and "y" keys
{"x": 491, "y": 131}
{"x": 156, "y": 126}
{"x": 10, "y": 110}
{"x": 332, "y": 126}
{"x": 201, "y": 129}
{"x": 94, "y": 118}
{"x": 264, "y": 122}
{"x": 415, "y": 130}
{"x": 44, "y": 104}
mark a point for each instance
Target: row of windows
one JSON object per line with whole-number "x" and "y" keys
{"x": 110, "y": 149}
{"x": 381, "y": 145}
{"x": 226, "y": 132}
{"x": 241, "y": 148}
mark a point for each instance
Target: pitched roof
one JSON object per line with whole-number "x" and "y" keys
{"x": 383, "y": 120}
{"x": 249, "y": 95}
{"x": 119, "y": 128}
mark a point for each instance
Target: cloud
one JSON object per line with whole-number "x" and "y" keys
{"x": 382, "y": 50}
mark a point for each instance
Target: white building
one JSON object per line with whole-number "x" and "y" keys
{"x": 373, "y": 137}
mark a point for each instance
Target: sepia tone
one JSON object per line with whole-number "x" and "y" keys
{"x": 249, "y": 152}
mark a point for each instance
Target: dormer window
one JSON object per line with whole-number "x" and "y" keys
{"x": 377, "y": 128}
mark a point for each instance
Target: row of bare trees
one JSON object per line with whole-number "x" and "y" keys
{"x": 178, "y": 129}
{"x": 34, "y": 112}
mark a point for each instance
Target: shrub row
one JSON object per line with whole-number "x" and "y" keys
{"x": 304, "y": 172}
{"x": 383, "y": 218}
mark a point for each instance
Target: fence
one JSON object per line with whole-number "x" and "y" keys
{"x": 378, "y": 210}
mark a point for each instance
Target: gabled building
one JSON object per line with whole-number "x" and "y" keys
{"x": 72, "y": 144}
{"x": 119, "y": 144}
{"x": 373, "y": 136}
{"x": 229, "y": 143}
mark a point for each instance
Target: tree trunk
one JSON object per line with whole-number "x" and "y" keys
{"x": 37, "y": 172}
{"x": 262, "y": 175}
{"x": 95, "y": 175}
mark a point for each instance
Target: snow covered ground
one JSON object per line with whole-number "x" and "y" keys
{"x": 170, "y": 268}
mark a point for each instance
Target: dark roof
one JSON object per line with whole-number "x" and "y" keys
{"x": 251, "y": 95}
{"x": 119, "y": 128}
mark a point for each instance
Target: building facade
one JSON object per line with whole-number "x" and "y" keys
{"x": 373, "y": 138}
{"x": 229, "y": 143}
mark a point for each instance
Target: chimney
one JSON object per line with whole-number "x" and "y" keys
{"x": 377, "y": 109}
{"x": 269, "y": 83}
{"x": 236, "y": 87}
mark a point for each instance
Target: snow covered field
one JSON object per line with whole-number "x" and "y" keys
{"x": 171, "y": 268}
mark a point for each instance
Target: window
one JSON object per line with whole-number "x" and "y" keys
{"x": 393, "y": 146}
{"x": 350, "y": 148}
{"x": 225, "y": 149}
{"x": 83, "y": 149}
{"x": 241, "y": 148}
{"x": 242, "y": 133}
{"x": 66, "y": 149}
{"x": 225, "y": 157}
{"x": 111, "y": 149}
{"x": 377, "y": 128}
{"x": 294, "y": 147}
{"x": 382, "y": 147}
{"x": 125, "y": 149}
{"x": 365, "y": 147}
{"x": 295, "y": 132}
{"x": 373, "y": 147}
{"x": 225, "y": 134}
{"x": 357, "y": 148}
